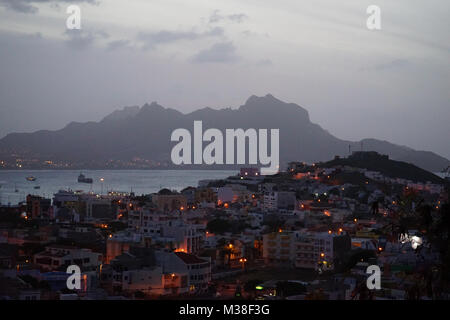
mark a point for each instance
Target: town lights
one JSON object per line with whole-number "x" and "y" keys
{"x": 340, "y": 230}
{"x": 322, "y": 254}
{"x": 329, "y": 231}
{"x": 356, "y": 220}
{"x": 102, "y": 180}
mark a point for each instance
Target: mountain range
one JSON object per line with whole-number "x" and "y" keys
{"x": 144, "y": 132}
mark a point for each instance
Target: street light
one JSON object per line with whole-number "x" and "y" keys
{"x": 102, "y": 180}
{"x": 243, "y": 261}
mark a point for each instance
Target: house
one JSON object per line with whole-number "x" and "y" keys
{"x": 197, "y": 269}
{"x": 38, "y": 207}
{"x": 167, "y": 201}
{"x": 56, "y": 257}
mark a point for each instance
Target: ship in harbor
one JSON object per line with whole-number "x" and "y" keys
{"x": 82, "y": 179}
{"x": 31, "y": 178}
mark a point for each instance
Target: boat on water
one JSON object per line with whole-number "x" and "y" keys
{"x": 37, "y": 187}
{"x": 31, "y": 178}
{"x": 82, "y": 179}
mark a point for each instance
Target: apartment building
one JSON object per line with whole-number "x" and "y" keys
{"x": 279, "y": 200}
{"x": 168, "y": 229}
{"x": 304, "y": 249}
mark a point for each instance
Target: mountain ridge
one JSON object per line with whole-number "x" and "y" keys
{"x": 145, "y": 132}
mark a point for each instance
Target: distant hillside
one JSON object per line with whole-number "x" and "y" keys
{"x": 145, "y": 133}
{"x": 388, "y": 167}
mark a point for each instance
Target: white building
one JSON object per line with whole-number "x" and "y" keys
{"x": 56, "y": 256}
{"x": 197, "y": 269}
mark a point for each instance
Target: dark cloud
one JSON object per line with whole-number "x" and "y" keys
{"x": 81, "y": 39}
{"x": 219, "y": 53}
{"x": 118, "y": 44}
{"x": 152, "y": 39}
{"x": 217, "y": 17}
{"x": 28, "y": 6}
{"x": 394, "y": 64}
{"x": 264, "y": 62}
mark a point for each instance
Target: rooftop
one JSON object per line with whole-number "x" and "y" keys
{"x": 189, "y": 258}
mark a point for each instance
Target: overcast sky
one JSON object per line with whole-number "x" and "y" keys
{"x": 391, "y": 84}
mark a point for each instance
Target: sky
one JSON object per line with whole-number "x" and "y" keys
{"x": 391, "y": 84}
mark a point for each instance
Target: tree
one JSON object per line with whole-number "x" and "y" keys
{"x": 289, "y": 288}
{"x": 218, "y": 226}
{"x": 352, "y": 257}
{"x": 273, "y": 223}
{"x": 139, "y": 294}
{"x": 374, "y": 207}
{"x": 250, "y": 285}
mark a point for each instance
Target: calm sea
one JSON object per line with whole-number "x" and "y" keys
{"x": 140, "y": 181}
